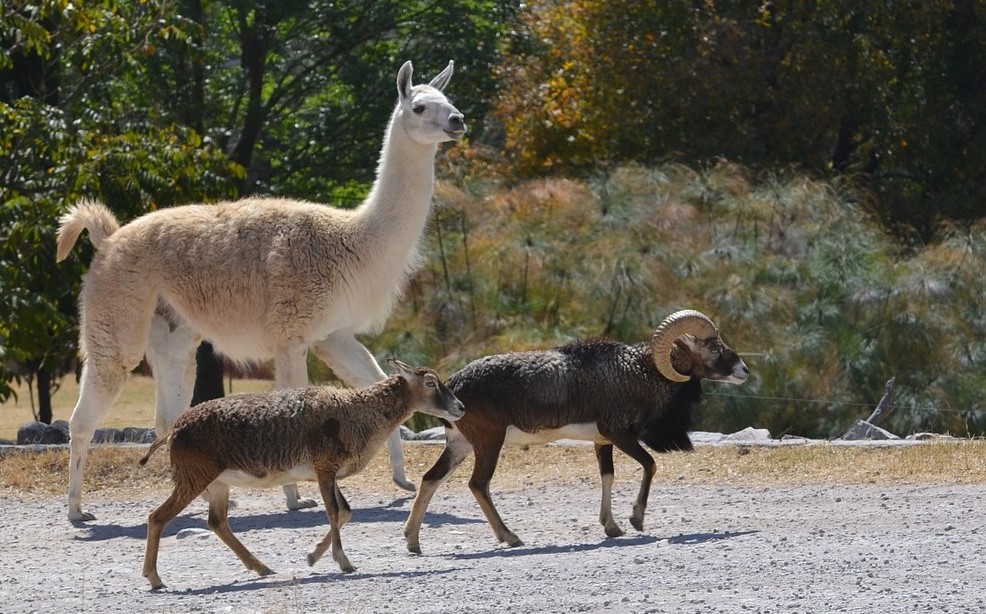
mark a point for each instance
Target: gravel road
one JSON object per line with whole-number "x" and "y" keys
{"x": 910, "y": 548}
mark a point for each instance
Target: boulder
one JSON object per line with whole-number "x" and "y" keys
{"x": 32, "y": 432}
{"x": 748, "y": 435}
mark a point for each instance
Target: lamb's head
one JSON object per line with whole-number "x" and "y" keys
{"x": 687, "y": 346}
{"x": 425, "y": 113}
{"x": 428, "y": 394}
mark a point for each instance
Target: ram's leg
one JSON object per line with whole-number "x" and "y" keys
{"x": 457, "y": 448}
{"x": 487, "y": 456}
{"x": 604, "y": 456}
{"x": 629, "y": 445}
{"x": 291, "y": 371}
{"x": 354, "y": 364}
{"x": 327, "y": 486}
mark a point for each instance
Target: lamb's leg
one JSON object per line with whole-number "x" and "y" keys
{"x": 291, "y": 371}
{"x": 604, "y": 456}
{"x": 457, "y": 448}
{"x": 218, "y": 514}
{"x": 482, "y": 472}
{"x": 629, "y": 445}
{"x": 181, "y": 496}
{"x": 345, "y": 512}
{"x": 352, "y": 363}
{"x": 98, "y": 390}
{"x": 327, "y": 486}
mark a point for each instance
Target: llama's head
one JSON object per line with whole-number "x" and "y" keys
{"x": 425, "y": 113}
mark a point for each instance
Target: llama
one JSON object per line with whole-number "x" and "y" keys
{"x": 260, "y": 278}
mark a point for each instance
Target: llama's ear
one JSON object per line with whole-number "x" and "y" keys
{"x": 404, "y": 80}
{"x": 442, "y": 78}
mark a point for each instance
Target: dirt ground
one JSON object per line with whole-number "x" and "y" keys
{"x": 718, "y": 546}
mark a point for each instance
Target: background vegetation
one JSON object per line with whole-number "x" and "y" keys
{"x": 809, "y": 174}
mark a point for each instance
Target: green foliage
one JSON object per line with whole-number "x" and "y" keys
{"x": 64, "y": 137}
{"x": 892, "y": 96}
{"x": 822, "y": 301}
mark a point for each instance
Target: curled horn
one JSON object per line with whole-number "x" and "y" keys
{"x": 684, "y": 322}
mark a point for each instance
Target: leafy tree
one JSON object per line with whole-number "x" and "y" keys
{"x": 889, "y": 94}
{"x": 66, "y": 132}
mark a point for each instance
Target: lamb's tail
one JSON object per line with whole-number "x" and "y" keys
{"x": 160, "y": 441}
{"x": 87, "y": 214}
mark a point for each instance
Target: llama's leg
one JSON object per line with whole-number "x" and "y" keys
{"x": 604, "y": 456}
{"x": 97, "y": 392}
{"x": 218, "y": 513}
{"x": 171, "y": 354}
{"x": 354, "y": 364}
{"x": 327, "y": 486}
{"x": 457, "y": 448}
{"x": 291, "y": 371}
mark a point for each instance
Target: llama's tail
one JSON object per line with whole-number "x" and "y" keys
{"x": 160, "y": 441}
{"x": 87, "y": 214}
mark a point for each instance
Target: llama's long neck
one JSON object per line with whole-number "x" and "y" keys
{"x": 398, "y": 205}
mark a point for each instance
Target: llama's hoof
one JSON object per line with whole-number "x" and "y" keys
{"x": 638, "y": 523}
{"x": 404, "y": 483}
{"x": 301, "y": 504}
{"x": 80, "y": 516}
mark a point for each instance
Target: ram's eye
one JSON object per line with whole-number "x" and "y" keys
{"x": 418, "y": 109}
{"x": 716, "y": 350}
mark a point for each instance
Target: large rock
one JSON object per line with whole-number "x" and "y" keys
{"x": 32, "y": 432}
{"x": 748, "y": 435}
{"x": 39, "y": 432}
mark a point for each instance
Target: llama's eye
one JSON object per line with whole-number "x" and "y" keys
{"x": 418, "y": 109}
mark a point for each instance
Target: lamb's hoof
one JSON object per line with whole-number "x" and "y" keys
{"x": 404, "y": 483}
{"x": 638, "y": 523}
{"x": 265, "y": 571}
{"x": 614, "y": 531}
{"x": 301, "y": 504}
{"x": 415, "y": 549}
{"x": 347, "y": 568}
{"x": 312, "y": 559}
{"x": 514, "y": 542}
{"x": 80, "y": 516}
{"x": 156, "y": 583}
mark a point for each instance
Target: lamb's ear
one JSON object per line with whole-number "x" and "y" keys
{"x": 404, "y": 80}
{"x": 402, "y": 369}
{"x": 442, "y": 78}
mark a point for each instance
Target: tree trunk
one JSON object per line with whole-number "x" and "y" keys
{"x": 208, "y": 375}
{"x": 44, "y": 395}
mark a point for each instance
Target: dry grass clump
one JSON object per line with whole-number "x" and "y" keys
{"x": 114, "y": 469}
